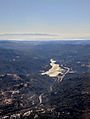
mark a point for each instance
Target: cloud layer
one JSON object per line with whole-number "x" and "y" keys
{"x": 39, "y": 36}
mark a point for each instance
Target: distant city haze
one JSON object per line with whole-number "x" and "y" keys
{"x": 44, "y": 19}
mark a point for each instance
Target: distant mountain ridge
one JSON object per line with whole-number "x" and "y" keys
{"x": 45, "y": 41}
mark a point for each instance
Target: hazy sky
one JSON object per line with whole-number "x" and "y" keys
{"x": 44, "y": 19}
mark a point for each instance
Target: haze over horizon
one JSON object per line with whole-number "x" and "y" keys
{"x": 44, "y": 19}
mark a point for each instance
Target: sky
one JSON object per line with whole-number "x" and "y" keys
{"x": 44, "y": 19}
